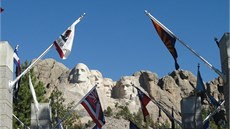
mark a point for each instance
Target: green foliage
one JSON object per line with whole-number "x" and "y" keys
{"x": 71, "y": 119}
{"x": 108, "y": 112}
{"x": 22, "y": 105}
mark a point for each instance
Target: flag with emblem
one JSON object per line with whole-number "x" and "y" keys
{"x": 144, "y": 100}
{"x": 167, "y": 37}
{"x": 93, "y": 106}
{"x": 65, "y": 41}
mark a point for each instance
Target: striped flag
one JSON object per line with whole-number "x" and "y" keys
{"x": 93, "y": 106}
{"x": 144, "y": 100}
{"x": 33, "y": 94}
{"x": 17, "y": 72}
{"x": 167, "y": 37}
{"x": 65, "y": 41}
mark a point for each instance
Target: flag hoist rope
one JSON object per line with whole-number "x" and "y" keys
{"x": 200, "y": 57}
{"x": 12, "y": 83}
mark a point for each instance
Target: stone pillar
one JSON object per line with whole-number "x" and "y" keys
{"x": 41, "y": 118}
{"x": 191, "y": 113}
{"x": 224, "y": 45}
{"x": 6, "y": 74}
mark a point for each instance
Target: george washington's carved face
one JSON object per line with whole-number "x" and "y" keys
{"x": 82, "y": 73}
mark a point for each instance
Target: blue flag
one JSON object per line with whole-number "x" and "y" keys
{"x": 199, "y": 85}
{"x": 59, "y": 123}
{"x": 213, "y": 101}
{"x": 206, "y": 125}
{"x": 132, "y": 125}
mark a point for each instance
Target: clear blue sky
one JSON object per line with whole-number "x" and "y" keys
{"x": 116, "y": 37}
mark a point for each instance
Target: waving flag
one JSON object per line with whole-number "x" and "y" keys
{"x": 132, "y": 125}
{"x": 199, "y": 85}
{"x": 144, "y": 100}
{"x": 64, "y": 43}
{"x": 33, "y": 94}
{"x": 93, "y": 106}
{"x": 58, "y": 121}
{"x": 17, "y": 72}
{"x": 167, "y": 37}
{"x": 213, "y": 101}
{"x": 206, "y": 125}
{"x": 172, "y": 120}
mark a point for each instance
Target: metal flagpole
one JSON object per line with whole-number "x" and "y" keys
{"x": 12, "y": 83}
{"x": 183, "y": 43}
{"x": 161, "y": 107}
{"x": 79, "y": 102}
{"x": 213, "y": 113}
{"x": 20, "y": 121}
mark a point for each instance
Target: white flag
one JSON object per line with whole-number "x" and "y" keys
{"x": 33, "y": 94}
{"x": 64, "y": 43}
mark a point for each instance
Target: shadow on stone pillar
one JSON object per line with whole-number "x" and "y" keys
{"x": 6, "y": 74}
{"x": 191, "y": 113}
{"x": 224, "y": 45}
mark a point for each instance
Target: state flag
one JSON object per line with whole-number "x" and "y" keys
{"x": 144, "y": 100}
{"x": 64, "y": 43}
{"x": 93, "y": 106}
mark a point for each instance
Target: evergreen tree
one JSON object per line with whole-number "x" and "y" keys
{"x": 22, "y": 105}
{"x": 70, "y": 119}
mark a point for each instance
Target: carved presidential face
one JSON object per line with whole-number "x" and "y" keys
{"x": 128, "y": 89}
{"x": 96, "y": 76}
{"x": 82, "y": 73}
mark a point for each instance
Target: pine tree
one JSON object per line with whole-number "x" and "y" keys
{"x": 70, "y": 119}
{"x": 22, "y": 105}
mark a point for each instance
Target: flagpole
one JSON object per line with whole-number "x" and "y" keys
{"x": 79, "y": 102}
{"x": 20, "y": 121}
{"x": 183, "y": 43}
{"x": 12, "y": 83}
{"x": 213, "y": 113}
{"x": 159, "y": 106}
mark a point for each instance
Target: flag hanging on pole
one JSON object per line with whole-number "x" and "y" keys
{"x": 65, "y": 41}
{"x": 206, "y": 125}
{"x": 33, "y": 94}
{"x": 167, "y": 37}
{"x": 93, "y": 106}
{"x": 199, "y": 84}
{"x": 172, "y": 120}
{"x": 144, "y": 100}
{"x": 17, "y": 72}
{"x": 58, "y": 121}
{"x": 132, "y": 125}
{"x": 213, "y": 101}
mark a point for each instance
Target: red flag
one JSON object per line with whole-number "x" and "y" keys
{"x": 169, "y": 41}
{"x": 93, "y": 106}
{"x": 144, "y": 99}
{"x": 168, "y": 38}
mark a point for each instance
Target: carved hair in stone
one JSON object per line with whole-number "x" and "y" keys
{"x": 79, "y": 74}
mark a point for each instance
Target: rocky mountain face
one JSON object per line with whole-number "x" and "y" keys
{"x": 167, "y": 91}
